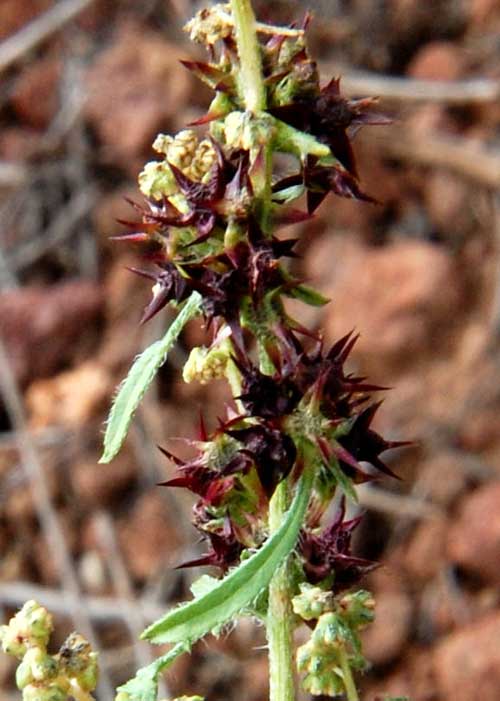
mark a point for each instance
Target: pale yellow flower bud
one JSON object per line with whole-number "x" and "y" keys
{"x": 211, "y": 24}
{"x": 205, "y": 365}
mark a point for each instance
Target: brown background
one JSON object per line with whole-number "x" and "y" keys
{"x": 417, "y": 275}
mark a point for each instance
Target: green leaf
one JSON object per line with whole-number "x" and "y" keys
{"x": 141, "y": 374}
{"x": 301, "y": 144}
{"x": 203, "y": 585}
{"x": 289, "y": 194}
{"x": 342, "y": 480}
{"x": 144, "y": 686}
{"x": 309, "y": 296}
{"x": 242, "y": 586}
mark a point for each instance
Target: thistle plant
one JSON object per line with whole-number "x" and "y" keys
{"x": 297, "y": 435}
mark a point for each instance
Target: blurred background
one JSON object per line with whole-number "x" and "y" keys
{"x": 85, "y": 87}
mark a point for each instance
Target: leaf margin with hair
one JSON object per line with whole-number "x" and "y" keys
{"x": 144, "y": 686}
{"x": 198, "y": 617}
{"x": 144, "y": 368}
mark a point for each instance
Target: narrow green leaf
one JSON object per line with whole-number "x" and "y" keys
{"x": 289, "y": 194}
{"x": 242, "y": 586}
{"x": 141, "y": 374}
{"x": 309, "y": 296}
{"x": 144, "y": 686}
{"x": 342, "y": 480}
{"x": 301, "y": 144}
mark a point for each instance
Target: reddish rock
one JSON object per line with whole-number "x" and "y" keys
{"x": 149, "y": 88}
{"x": 484, "y": 11}
{"x": 71, "y": 398}
{"x": 45, "y": 328}
{"x": 385, "y": 639}
{"x": 401, "y": 297}
{"x": 443, "y": 478}
{"x": 125, "y": 294}
{"x": 481, "y": 431}
{"x": 438, "y": 60}
{"x": 425, "y": 553}
{"x": 14, "y": 14}
{"x": 467, "y": 662}
{"x": 111, "y": 207}
{"x": 424, "y": 119}
{"x": 95, "y": 486}
{"x": 35, "y": 97}
{"x": 18, "y": 143}
{"x": 447, "y": 199}
{"x": 19, "y": 508}
{"x": 148, "y": 535}
{"x": 412, "y": 679}
{"x": 474, "y": 536}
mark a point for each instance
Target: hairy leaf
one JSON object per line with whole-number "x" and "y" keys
{"x": 141, "y": 374}
{"x": 241, "y": 587}
{"x": 144, "y": 686}
{"x": 291, "y": 140}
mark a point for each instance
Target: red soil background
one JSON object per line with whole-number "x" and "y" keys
{"x": 417, "y": 275}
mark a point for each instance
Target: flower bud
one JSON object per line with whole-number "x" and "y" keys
{"x": 184, "y": 151}
{"x": 358, "y": 608}
{"x": 24, "y": 675}
{"x": 12, "y": 643}
{"x": 40, "y": 664}
{"x": 156, "y": 180}
{"x": 77, "y": 661}
{"x": 210, "y": 25}
{"x": 312, "y": 602}
{"x": 205, "y": 365}
{"x": 31, "y": 626}
{"x": 52, "y": 692}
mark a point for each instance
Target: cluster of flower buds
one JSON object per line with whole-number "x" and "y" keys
{"x": 208, "y": 225}
{"x": 71, "y": 673}
{"x": 334, "y": 641}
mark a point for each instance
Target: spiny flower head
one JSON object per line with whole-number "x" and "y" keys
{"x": 328, "y": 553}
{"x": 205, "y": 230}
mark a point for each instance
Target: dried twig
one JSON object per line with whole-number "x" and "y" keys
{"x": 33, "y": 34}
{"x": 400, "y": 505}
{"x": 61, "y": 227}
{"x": 100, "y": 609}
{"x": 131, "y": 613}
{"x": 463, "y": 156}
{"x": 451, "y": 92}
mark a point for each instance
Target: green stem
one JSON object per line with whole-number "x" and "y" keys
{"x": 280, "y": 615}
{"x": 350, "y": 687}
{"x": 250, "y": 79}
{"x": 253, "y": 93}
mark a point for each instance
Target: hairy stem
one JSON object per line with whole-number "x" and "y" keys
{"x": 280, "y": 614}
{"x": 253, "y": 93}
{"x": 350, "y": 687}
{"x": 250, "y": 80}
